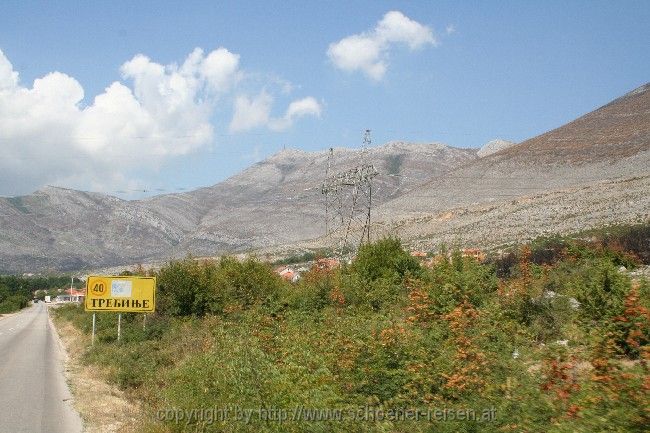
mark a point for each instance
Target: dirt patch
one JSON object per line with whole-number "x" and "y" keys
{"x": 103, "y": 407}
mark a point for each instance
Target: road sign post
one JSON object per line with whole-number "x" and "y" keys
{"x": 92, "y": 339}
{"x": 119, "y": 326}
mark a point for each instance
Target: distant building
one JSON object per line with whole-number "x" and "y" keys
{"x": 71, "y": 295}
{"x": 436, "y": 260}
{"x": 419, "y": 254}
{"x": 474, "y": 253}
{"x": 288, "y": 274}
{"x": 327, "y": 263}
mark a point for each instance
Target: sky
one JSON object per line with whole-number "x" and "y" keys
{"x": 141, "y": 98}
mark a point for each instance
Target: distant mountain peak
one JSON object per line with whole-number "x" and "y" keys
{"x": 51, "y": 190}
{"x": 494, "y": 146}
{"x": 398, "y": 144}
{"x": 289, "y": 151}
{"x": 391, "y": 146}
{"x": 632, "y": 94}
{"x": 427, "y": 192}
{"x": 640, "y": 89}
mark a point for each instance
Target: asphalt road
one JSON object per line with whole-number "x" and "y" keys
{"x": 33, "y": 394}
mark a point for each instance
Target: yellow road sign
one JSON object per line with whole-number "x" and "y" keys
{"x": 121, "y": 294}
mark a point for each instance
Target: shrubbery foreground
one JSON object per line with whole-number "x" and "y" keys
{"x": 551, "y": 339}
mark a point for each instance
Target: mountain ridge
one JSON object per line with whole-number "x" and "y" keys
{"x": 592, "y": 170}
{"x": 282, "y": 194}
{"x": 601, "y": 154}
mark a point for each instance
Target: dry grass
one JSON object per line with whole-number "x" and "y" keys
{"x": 103, "y": 407}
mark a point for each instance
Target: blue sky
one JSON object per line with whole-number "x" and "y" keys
{"x": 461, "y": 73}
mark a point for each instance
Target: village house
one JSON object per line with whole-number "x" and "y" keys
{"x": 474, "y": 253}
{"x": 288, "y": 274}
{"x": 419, "y": 255}
{"x": 71, "y": 295}
{"x": 327, "y": 263}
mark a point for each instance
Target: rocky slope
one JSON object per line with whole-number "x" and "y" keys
{"x": 57, "y": 228}
{"x": 276, "y": 201}
{"x": 279, "y": 200}
{"x": 520, "y": 219}
{"x": 591, "y": 171}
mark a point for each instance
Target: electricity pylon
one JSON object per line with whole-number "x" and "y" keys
{"x": 348, "y": 200}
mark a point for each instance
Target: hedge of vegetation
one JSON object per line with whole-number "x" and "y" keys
{"x": 17, "y": 292}
{"x": 13, "y": 300}
{"x": 553, "y": 338}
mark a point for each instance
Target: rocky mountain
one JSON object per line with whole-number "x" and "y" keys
{"x": 276, "y": 201}
{"x": 591, "y": 171}
{"x": 57, "y": 228}
{"x": 279, "y": 200}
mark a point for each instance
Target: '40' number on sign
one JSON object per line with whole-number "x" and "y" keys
{"x": 99, "y": 289}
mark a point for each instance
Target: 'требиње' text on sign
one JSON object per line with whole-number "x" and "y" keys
{"x": 121, "y": 294}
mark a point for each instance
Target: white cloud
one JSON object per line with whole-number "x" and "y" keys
{"x": 396, "y": 27}
{"x": 255, "y": 112}
{"x": 220, "y": 69}
{"x": 251, "y": 113}
{"x": 8, "y": 78}
{"x": 167, "y": 112}
{"x": 368, "y": 52}
{"x": 49, "y": 136}
{"x": 450, "y": 29}
{"x": 358, "y": 52}
{"x": 297, "y": 109}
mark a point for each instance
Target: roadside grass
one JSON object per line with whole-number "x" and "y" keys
{"x": 102, "y": 405}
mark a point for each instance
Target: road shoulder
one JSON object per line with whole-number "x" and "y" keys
{"x": 70, "y": 419}
{"x": 103, "y": 407}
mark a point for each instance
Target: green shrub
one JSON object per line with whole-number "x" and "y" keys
{"x": 297, "y": 258}
{"x": 384, "y": 259}
{"x": 601, "y": 291}
{"x": 246, "y": 282}
{"x": 452, "y": 282}
{"x": 184, "y": 288}
{"x": 190, "y": 288}
{"x": 13, "y": 303}
{"x": 12, "y": 299}
{"x": 312, "y": 292}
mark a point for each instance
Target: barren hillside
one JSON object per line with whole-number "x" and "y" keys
{"x": 273, "y": 202}
{"x": 593, "y": 170}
